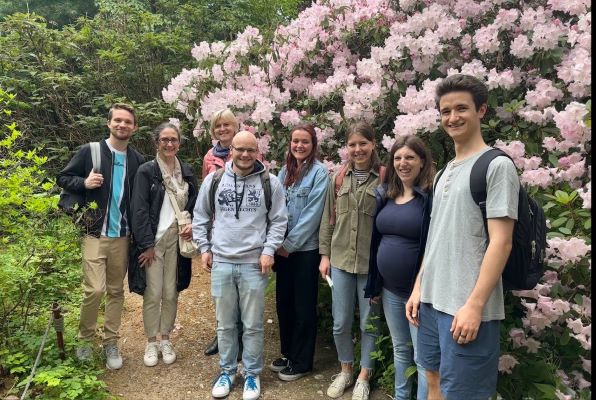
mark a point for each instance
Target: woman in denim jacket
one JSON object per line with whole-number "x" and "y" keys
{"x": 305, "y": 181}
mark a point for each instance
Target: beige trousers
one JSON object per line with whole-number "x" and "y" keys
{"x": 160, "y": 301}
{"x": 105, "y": 261}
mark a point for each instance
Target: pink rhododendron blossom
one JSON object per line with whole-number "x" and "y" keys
{"x": 587, "y": 365}
{"x": 387, "y": 142}
{"x": 521, "y": 47}
{"x": 289, "y": 118}
{"x": 546, "y": 36}
{"x": 544, "y": 94}
{"x": 201, "y": 51}
{"x": 217, "y": 73}
{"x": 580, "y": 381}
{"x": 515, "y": 149}
{"x": 586, "y": 194}
{"x": 517, "y": 336}
{"x": 175, "y": 122}
{"x": 263, "y": 144}
{"x": 541, "y": 177}
{"x": 586, "y": 308}
{"x": 506, "y": 363}
{"x": 562, "y": 396}
{"x": 563, "y": 251}
{"x": 486, "y": 39}
{"x": 573, "y": 7}
{"x": 532, "y": 345}
{"x": 549, "y": 143}
{"x": 343, "y": 154}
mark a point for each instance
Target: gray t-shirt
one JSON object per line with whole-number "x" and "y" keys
{"x": 457, "y": 240}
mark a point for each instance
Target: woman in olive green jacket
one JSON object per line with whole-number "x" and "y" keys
{"x": 344, "y": 244}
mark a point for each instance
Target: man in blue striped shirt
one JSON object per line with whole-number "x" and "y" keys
{"x": 105, "y": 245}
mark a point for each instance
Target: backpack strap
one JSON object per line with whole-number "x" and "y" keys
{"x": 213, "y": 188}
{"x": 266, "y": 184}
{"x": 478, "y": 180}
{"x": 95, "y": 156}
{"x": 339, "y": 180}
{"x": 437, "y": 177}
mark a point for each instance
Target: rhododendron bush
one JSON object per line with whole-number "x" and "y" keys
{"x": 380, "y": 61}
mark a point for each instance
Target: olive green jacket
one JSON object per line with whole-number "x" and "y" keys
{"x": 347, "y": 242}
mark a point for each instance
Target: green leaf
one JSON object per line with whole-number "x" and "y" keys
{"x": 558, "y": 222}
{"x": 554, "y": 160}
{"x": 565, "y": 338}
{"x": 565, "y": 231}
{"x": 588, "y": 224}
{"x": 546, "y": 389}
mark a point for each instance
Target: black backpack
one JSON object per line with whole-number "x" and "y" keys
{"x": 525, "y": 265}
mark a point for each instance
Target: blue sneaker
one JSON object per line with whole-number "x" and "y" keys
{"x": 252, "y": 388}
{"x": 222, "y": 386}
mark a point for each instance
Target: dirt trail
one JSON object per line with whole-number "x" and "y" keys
{"x": 191, "y": 375}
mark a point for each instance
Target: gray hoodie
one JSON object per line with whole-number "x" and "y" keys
{"x": 244, "y": 239}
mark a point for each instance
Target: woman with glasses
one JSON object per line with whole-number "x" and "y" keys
{"x": 305, "y": 181}
{"x": 155, "y": 231}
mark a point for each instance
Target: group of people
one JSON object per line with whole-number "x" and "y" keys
{"x": 382, "y": 236}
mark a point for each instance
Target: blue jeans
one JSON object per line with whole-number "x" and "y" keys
{"x": 404, "y": 339}
{"x": 348, "y": 287}
{"x": 239, "y": 289}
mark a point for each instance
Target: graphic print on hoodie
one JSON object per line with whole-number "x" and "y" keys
{"x": 242, "y": 239}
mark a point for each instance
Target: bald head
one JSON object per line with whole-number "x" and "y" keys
{"x": 246, "y": 138}
{"x": 244, "y": 152}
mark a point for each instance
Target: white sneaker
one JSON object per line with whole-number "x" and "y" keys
{"x": 167, "y": 351}
{"x": 361, "y": 390}
{"x": 252, "y": 388}
{"x": 113, "y": 358}
{"x": 151, "y": 354}
{"x": 222, "y": 386}
{"x": 340, "y": 382}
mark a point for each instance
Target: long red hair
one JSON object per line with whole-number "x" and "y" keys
{"x": 294, "y": 170}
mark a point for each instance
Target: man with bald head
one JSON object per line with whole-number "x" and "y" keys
{"x": 237, "y": 241}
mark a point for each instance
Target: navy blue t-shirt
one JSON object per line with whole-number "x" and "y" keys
{"x": 400, "y": 226}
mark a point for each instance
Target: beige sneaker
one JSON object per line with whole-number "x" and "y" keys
{"x": 361, "y": 390}
{"x": 151, "y": 354}
{"x": 340, "y": 382}
{"x": 167, "y": 352}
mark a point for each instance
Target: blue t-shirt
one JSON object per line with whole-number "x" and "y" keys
{"x": 116, "y": 222}
{"x": 400, "y": 226}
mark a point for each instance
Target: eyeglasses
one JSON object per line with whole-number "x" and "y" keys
{"x": 241, "y": 150}
{"x": 164, "y": 140}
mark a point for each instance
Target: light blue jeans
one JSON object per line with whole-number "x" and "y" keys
{"x": 239, "y": 289}
{"x": 404, "y": 338}
{"x": 347, "y": 288}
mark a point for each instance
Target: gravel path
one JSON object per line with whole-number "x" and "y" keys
{"x": 191, "y": 375}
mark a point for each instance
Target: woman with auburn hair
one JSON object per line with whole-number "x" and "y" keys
{"x": 345, "y": 232}
{"x": 305, "y": 182}
{"x": 402, "y": 218}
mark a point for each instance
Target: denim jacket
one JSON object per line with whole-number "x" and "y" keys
{"x": 305, "y": 201}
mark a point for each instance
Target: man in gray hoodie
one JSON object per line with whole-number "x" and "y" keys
{"x": 237, "y": 243}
